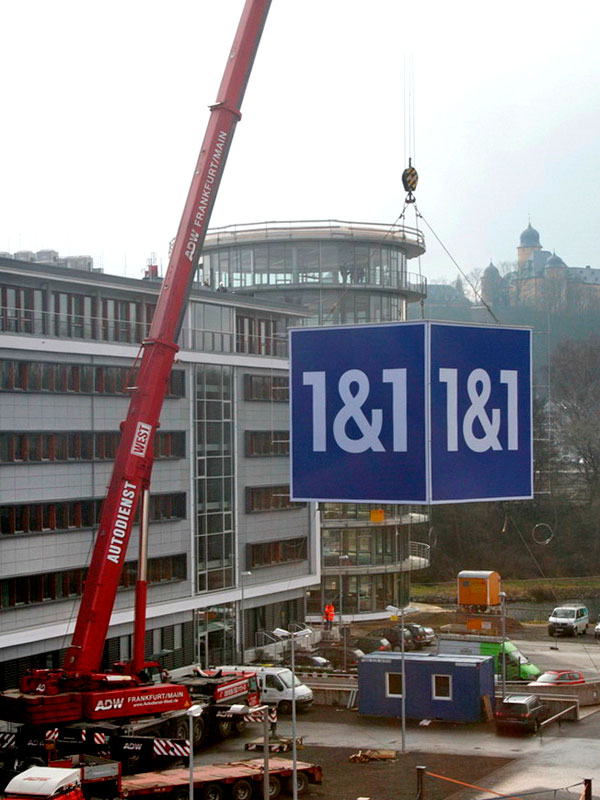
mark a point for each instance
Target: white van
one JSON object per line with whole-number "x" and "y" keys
{"x": 570, "y": 619}
{"x": 275, "y": 686}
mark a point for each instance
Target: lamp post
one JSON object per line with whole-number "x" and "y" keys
{"x": 502, "y": 596}
{"x": 242, "y": 620}
{"x": 193, "y": 711}
{"x": 342, "y": 559}
{"x": 394, "y": 610}
{"x": 293, "y": 635}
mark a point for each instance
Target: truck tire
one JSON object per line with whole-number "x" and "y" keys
{"x": 274, "y": 787}
{"x": 301, "y": 783}
{"x": 181, "y": 794}
{"x": 285, "y": 707}
{"x": 241, "y": 790}
{"x": 200, "y": 731}
{"x": 240, "y": 724}
{"x": 213, "y": 791}
{"x": 224, "y": 726}
{"x": 180, "y": 729}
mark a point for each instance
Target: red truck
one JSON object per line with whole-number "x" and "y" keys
{"x": 80, "y": 701}
{"x": 83, "y": 778}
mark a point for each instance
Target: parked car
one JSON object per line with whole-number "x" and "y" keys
{"x": 430, "y": 634}
{"x": 568, "y": 619}
{"x": 520, "y": 711}
{"x": 335, "y": 654}
{"x": 369, "y": 642}
{"x": 558, "y": 677}
{"x": 393, "y": 634}
{"x": 418, "y": 633}
{"x": 311, "y": 660}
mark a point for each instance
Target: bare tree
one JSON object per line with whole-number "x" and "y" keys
{"x": 575, "y": 381}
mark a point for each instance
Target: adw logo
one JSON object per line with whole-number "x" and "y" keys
{"x": 109, "y": 704}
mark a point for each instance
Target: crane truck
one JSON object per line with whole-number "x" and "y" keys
{"x": 79, "y": 701}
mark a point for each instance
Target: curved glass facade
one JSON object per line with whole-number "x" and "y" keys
{"x": 342, "y": 273}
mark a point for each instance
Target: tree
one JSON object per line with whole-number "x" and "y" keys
{"x": 575, "y": 387}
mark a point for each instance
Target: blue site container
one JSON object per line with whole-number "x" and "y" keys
{"x": 446, "y": 687}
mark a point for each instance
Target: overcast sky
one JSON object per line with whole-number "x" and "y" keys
{"x": 104, "y": 107}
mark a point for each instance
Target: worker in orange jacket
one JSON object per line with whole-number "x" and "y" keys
{"x": 329, "y": 616}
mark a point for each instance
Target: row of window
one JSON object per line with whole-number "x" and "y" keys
{"x": 70, "y": 315}
{"x": 32, "y": 589}
{"x": 269, "y": 498}
{"x": 79, "y": 446}
{"x": 260, "y": 336}
{"x": 63, "y": 516}
{"x": 267, "y": 443}
{"x": 266, "y": 554}
{"x": 44, "y": 376}
{"x": 269, "y": 388}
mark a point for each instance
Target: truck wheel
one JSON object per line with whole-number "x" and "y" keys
{"x": 224, "y": 726}
{"x": 181, "y": 794}
{"x": 242, "y": 790}
{"x": 200, "y": 731}
{"x": 240, "y": 724}
{"x": 301, "y": 783}
{"x": 214, "y": 791}
{"x": 180, "y": 729}
{"x": 274, "y": 787}
{"x": 285, "y": 707}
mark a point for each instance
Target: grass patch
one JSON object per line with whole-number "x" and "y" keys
{"x": 536, "y": 590}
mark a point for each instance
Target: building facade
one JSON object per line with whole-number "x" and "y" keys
{"x": 341, "y": 273}
{"x": 225, "y": 540}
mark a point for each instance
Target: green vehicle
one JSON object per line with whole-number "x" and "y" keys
{"x": 518, "y": 666}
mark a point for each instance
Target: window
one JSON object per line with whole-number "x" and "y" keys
{"x": 256, "y": 335}
{"x": 268, "y": 388}
{"x": 393, "y": 684}
{"x": 40, "y": 517}
{"x": 269, "y": 498}
{"x": 441, "y": 687}
{"x": 33, "y": 376}
{"x": 265, "y": 554}
{"x": 79, "y": 446}
{"x": 34, "y": 589}
{"x": 267, "y": 443}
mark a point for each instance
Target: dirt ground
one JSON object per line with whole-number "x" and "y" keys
{"x": 390, "y": 779}
{"x": 439, "y": 620}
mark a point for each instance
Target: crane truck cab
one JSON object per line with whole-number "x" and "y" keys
{"x": 278, "y": 686}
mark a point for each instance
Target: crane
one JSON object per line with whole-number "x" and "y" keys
{"x": 79, "y": 691}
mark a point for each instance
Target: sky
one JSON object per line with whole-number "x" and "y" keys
{"x": 105, "y": 106}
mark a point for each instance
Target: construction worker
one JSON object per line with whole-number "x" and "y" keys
{"x": 329, "y": 616}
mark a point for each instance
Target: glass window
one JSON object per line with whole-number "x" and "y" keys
{"x": 393, "y": 684}
{"x": 441, "y": 687}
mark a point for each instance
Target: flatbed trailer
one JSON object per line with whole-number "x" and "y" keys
{"x": 93, "y": 778}
{"x": 238, "y": 778}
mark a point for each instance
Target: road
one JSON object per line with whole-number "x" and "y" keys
{"x": 581, "y": 653}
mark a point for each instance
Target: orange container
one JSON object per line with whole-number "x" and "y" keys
{"x": 478, "y": 588}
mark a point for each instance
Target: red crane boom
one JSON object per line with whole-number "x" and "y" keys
{"x": 135, "y": 456}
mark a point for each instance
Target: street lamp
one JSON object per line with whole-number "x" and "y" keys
{"x": 342, "y": 558}
{"x": 502, "y": 596}
{"x": 242, "y": 620}
{"x": 193, "y": 711}
{"x": 293, "y": 635}
{"x": 394, "y": 610}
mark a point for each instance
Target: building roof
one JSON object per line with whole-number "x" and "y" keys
{"x": 530, "y": 237}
